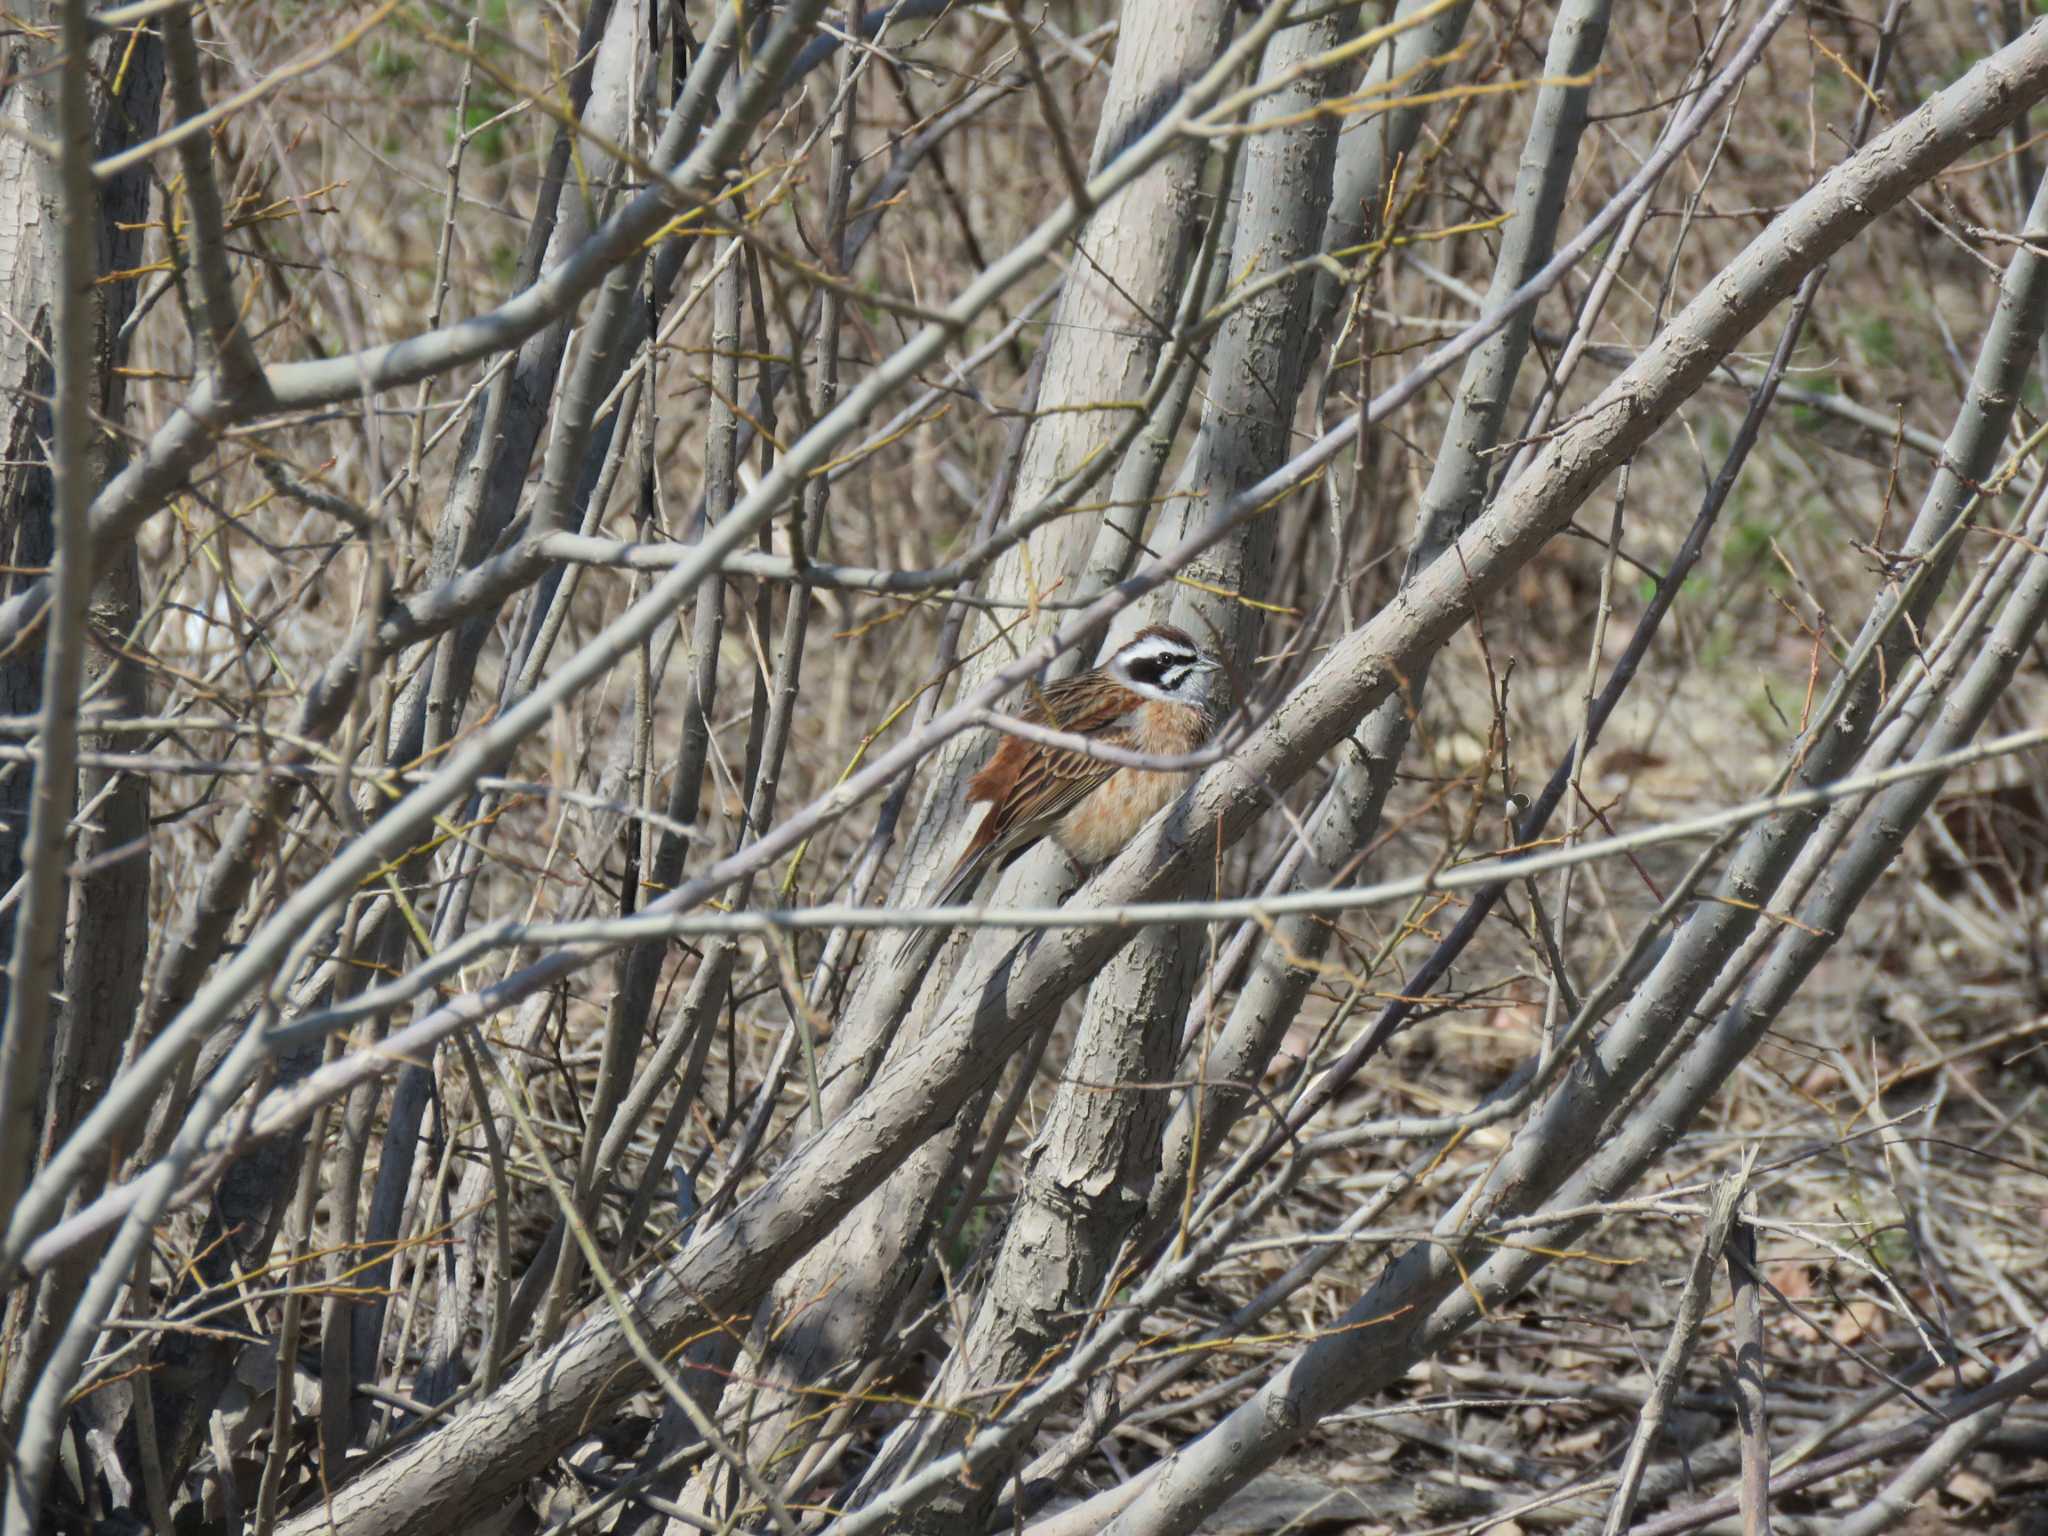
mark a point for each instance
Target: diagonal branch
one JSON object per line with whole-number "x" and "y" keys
{"x": 726, "y": 1265}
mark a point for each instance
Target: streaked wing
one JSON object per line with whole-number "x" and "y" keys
{"x": 1080, "y": 705}
{"x": 1030, "y": 786}
{"x": 1052, "y": 783}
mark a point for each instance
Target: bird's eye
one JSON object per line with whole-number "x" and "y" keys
{"x": 1165, "y": 670}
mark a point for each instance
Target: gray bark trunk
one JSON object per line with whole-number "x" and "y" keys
{"x": 108, "y": 921}
{"x": 1350, "y": 816}
{"x": 1090, "y": 1173}
{"x": 851, "y": 1287}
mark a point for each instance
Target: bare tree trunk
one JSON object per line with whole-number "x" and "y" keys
{"x": 1349, "y": 819}
{"x": 107, "y": 930}
{"x": 1090, "y": 1172}
{"x": 850, "y": 1289}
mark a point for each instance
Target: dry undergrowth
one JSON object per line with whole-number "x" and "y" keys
{"x": 1902, "y": 1189}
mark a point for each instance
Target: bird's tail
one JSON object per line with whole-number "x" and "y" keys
{"x": 956, "y": 890}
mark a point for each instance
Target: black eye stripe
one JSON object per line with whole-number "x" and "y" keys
{"x": 1164, "y": 670}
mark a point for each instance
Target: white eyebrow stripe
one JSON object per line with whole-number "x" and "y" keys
{"x": 1155, "y": 646}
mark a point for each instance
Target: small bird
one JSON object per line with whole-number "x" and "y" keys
{"x": 1158, "y": 694}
